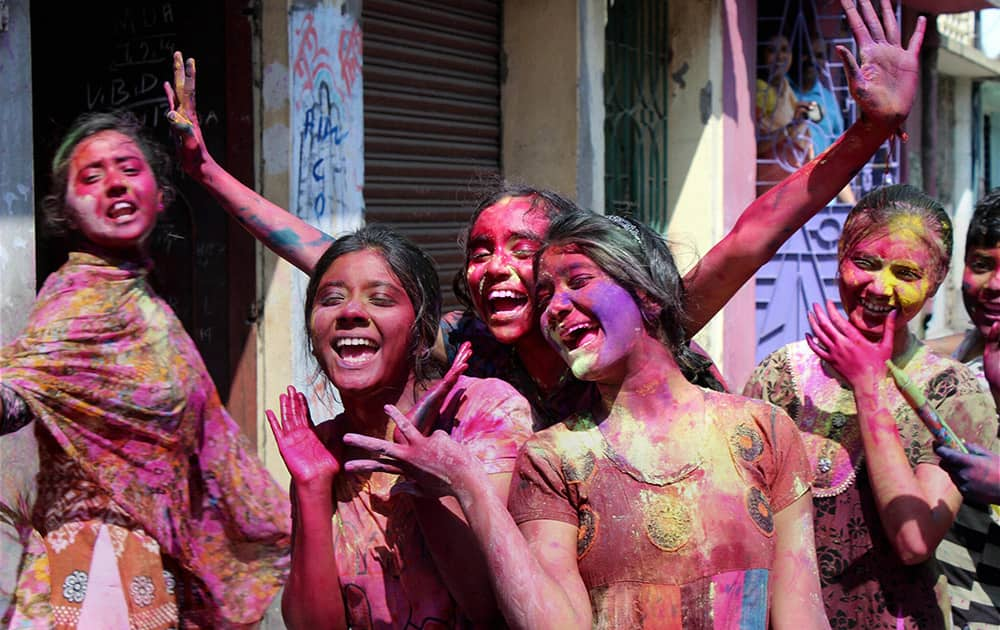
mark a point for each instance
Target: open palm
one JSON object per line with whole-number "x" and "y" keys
{"x": 883, "y": 79}
{"x": 307, "y": 458}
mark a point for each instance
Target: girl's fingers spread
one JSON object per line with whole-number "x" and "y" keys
{"x": 871, "y": 19}
{"x": 889, "y": 22}
{"x": 403, "y": 423}
{"x": 817, "y": 349}
{"x": 171, "y": 103}
{"x": 818, "y": 334}
{"x": 375, "y": 445}
{"x": 837, "y": 320}
{"x": 855, "y": 22}
{"x": 285, "y": 407}
{"x": 303, "y": 408}
{"x": 275, "y": 425}
{"x": 371, "y": 465}
{"x": 917, "y": 39}
{"x": 853, "y": 71}
{"x": 178, "y": 71}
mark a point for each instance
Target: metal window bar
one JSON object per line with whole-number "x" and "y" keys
{"x": 636, "y": 86}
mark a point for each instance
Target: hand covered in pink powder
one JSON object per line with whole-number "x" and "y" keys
{"x": 183, "y": 117}
{"x": 883, "y": 79}
{"x": 426, "y": 412}
{"x": 976, "y": 474}
{"x": 435, "y": 462}
{"x": 438, "y": 465}
{"x": 847, "y": 351}
{"x": 309, "y": 461}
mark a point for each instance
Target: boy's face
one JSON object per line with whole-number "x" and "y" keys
{"x": 981, "y": 286}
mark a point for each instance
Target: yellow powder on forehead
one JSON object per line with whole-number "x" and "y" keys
{"x": 910, "y": 223}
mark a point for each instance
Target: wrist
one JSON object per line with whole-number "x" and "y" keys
{"x": 316, "y": 488}
{"x": 469, "y": 482}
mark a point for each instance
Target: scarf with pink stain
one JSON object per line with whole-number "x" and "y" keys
{"x": 107, "y": 368}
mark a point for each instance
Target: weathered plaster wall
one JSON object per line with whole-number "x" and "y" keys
{"x": 278, "y": 315}
{"x": 695, "y": 131}
{"x": 539, "y": 96}
{"x": 17, "y": 194}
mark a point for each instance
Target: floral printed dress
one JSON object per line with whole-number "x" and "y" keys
{"x": 141, "y": 467}
{"x": 865, "y": 585}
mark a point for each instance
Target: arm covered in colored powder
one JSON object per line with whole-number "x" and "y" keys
{"x": 883, "y": 84}
{"x": 535, "y": 580}
{"x": 915, "y": 505}
{"x": 284, "y": 233}
{"x": 312, "y": 597}
{"x": 798, "y": 601}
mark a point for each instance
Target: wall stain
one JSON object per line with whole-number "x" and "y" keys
{"x": 705, "y": 102}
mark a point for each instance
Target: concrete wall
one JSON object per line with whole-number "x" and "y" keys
{"x": 539, "y": 100}
{"x": 17, "y": 192}
{"x": 278, "y": 315}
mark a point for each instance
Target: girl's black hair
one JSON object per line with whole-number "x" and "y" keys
{"x": 417, "y": 274}
{"x": 984, "y": 228}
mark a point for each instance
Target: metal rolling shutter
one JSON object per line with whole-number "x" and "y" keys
{"x": 431, "y": 117}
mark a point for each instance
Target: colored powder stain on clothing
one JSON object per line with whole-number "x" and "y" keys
{"x": 667, "y": 553}
{"x": 862, "y": 578}
{"x": 145, "y": 396}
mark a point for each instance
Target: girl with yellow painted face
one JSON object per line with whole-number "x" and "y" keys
{"x": 881, "y": 502}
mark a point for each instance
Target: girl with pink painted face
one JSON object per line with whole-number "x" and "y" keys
{"x": 364, "y": 554}
{"x": 882, "y": 503}
{"x": 151, "y": 510}
{"x": 665, "y": 505}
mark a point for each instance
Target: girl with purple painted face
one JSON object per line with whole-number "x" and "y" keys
{"x": 664, "y": 505}
{"x": 882, "y": 503}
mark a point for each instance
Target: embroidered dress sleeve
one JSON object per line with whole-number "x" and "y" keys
{"x": 539, "y": 490}
{"x": 771, "y": 381}
{"x": 790, "y": 473}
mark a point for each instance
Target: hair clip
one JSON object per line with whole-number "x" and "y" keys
{"x": 626, "y": 225}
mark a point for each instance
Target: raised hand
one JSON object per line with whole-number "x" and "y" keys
{"x": 183, "y": 116}
{"x": 883, "y": 80}
{"x": 425, "y": 413}
{"x": 308, "y": 460}
{"x": 849, "y": 352}
{"x": 976, "y": 474}
{"x": 437, "y": 464}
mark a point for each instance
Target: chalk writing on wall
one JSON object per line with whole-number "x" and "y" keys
{"x": 327, "y": 146}
{"x": 327, "y": 169}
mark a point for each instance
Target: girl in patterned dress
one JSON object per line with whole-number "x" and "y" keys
{"x": 152, "y": 511}
{"x": 365, "y": 553}
{"x": 882, "y": 503}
